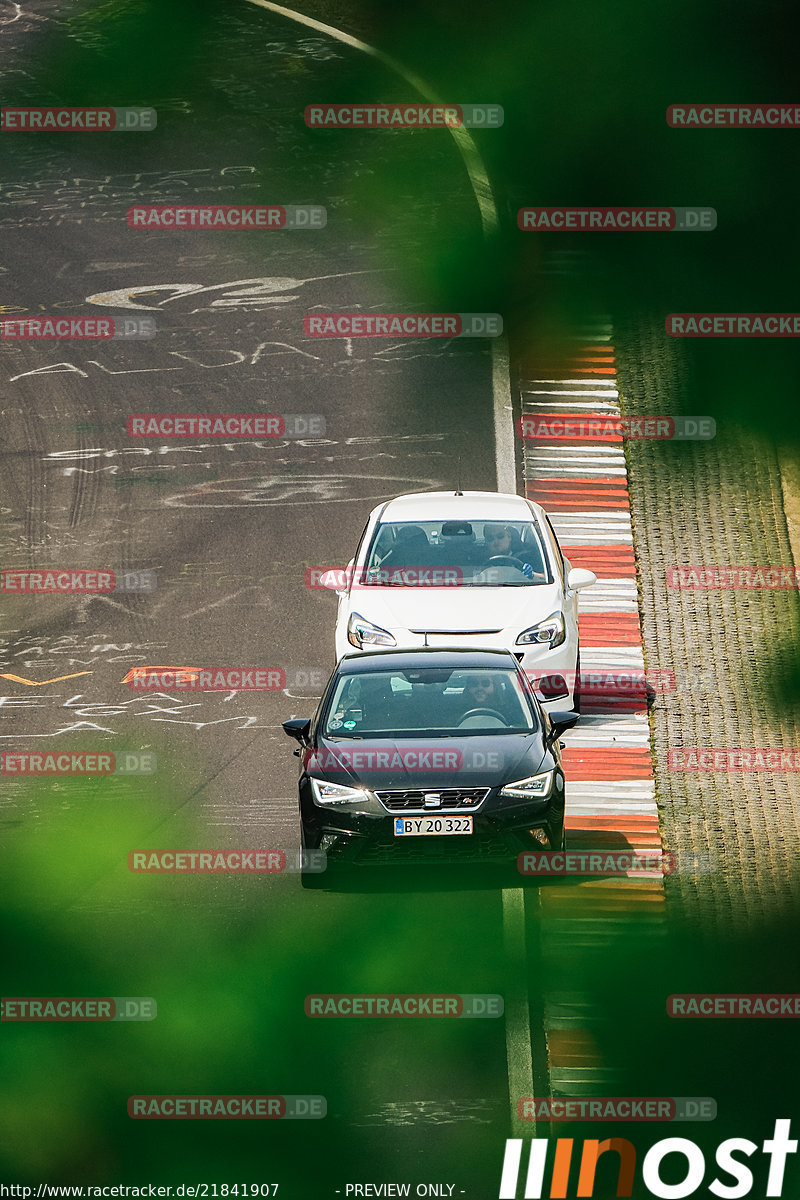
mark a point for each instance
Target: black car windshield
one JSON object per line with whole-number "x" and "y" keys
{"x": 429, "y": 702}
{"x": 456, "y": 554}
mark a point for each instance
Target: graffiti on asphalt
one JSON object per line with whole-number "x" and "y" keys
{"x": 22, "y": 650}
{"x": 183, "y": 455}
{"x": 336, "y": 359}
{"x": 159, "y": 707}
{"x": 292, "y": 489}
{"x": 64, "y": 198}
{"x": 248, "y": 294}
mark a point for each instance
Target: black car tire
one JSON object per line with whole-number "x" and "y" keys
{"x": 557, "y": 838}
{"x": 576, "y": 687}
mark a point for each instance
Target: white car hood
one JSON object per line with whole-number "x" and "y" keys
{"x": 455, "y": 609}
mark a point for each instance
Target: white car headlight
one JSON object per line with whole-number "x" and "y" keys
{"x": 552, "y": 631}
{"x": 330, "y": 795}
{"x": 361, "y": 632}
{"x": 536, "y": 787}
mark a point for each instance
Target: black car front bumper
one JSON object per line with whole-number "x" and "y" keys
{"x": 501, "y": 828}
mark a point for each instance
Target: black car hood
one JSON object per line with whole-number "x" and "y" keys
{"x": 483, "y": 760}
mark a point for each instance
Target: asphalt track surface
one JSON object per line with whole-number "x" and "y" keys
{"x": 229, "y": 529}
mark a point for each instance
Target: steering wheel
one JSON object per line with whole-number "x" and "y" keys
{"x": 483, "y": 712}
{"x": 507, "y": 560}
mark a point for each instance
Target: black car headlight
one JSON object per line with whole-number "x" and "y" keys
{"x": 334, "y": 794}
{"x": 535, "y": 787}
{"x": 342, "y": 798}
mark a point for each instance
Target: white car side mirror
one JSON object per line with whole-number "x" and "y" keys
{"x": 337, "y": 579}
{"x": 580, "y": 578}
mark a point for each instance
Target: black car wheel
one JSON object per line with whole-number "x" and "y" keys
{"x": 576, "y": 687}
{"x": 557, "y": 837}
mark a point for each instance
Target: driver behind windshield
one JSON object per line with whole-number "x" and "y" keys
{"x": 487, "y": 690}
{"x": 501, "y": 540}
{"x": 480, "y": 691}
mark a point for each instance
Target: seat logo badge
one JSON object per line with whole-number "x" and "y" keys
{"x": 433, "y": 800}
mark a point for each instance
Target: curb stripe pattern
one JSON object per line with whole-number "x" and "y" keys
{"x": 582, "y": 483}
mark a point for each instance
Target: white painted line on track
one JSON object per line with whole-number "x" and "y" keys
{"x": 605, "y": 739}
{"x": 626, "y": 789}
{"x": 545, "y": 467}
{"x": 605, "y": 384}
{"x": 606, "y": 394}
{"x": 478, "y": 176}
{"x": 610, "y": 658}
{"x": 571, "y": 453}
{"x": 504, "y": 443}
{"x": 610, "y": 527}
{"x": 592, "y": 406}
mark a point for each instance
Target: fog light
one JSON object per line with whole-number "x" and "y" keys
{"x": 540, "y": 836}
{"x": 328, "y": 840}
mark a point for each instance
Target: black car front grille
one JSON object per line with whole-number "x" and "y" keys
{"x": 456, "y": 632}
{"x": 451, "y": 800}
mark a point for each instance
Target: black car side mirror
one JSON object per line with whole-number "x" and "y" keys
{"x": 560, "y": 722}
{"x": 298, "y": 728}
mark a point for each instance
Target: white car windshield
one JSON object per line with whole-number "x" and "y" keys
{"x": 428, "y": 702}
{"x": 456, "y": 553}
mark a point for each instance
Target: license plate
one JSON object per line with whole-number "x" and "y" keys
{"x": 431, "y": 826}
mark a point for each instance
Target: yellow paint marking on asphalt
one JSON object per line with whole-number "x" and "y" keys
{"x": 142, "y": 672}
{"x": 44, "y": 682}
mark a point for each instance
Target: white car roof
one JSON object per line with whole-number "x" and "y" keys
{"x": 447, "y": 506}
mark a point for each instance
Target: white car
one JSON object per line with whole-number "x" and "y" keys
{"x": 473, "y": 570}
